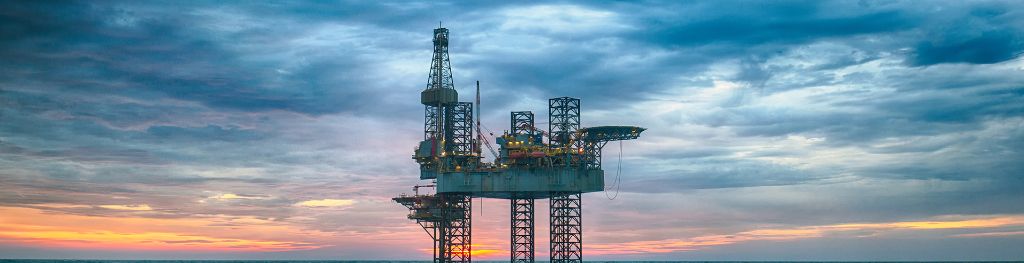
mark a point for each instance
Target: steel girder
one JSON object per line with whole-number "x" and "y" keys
{"x": 522, "y": 122}
{"x": 459, "y": 129}
{"x": 566, "y": 228}
{"x": 440, "y": 65}
{"x": 595, "y": 138}
{"x": 522, "y": 231}
{"x": 455, "y": 240}
{"x": 564, "y": 121}
{"x": 430, "y": 121}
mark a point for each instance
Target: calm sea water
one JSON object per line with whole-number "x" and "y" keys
{"x": 414, "y": 261}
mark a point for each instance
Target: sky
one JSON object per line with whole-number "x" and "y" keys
{"x": 777, "y": 130}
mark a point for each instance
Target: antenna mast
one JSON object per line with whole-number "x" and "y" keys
{"x": 480, "y": 135}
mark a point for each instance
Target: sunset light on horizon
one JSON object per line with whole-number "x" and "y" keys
{"x": 861, "y": 130}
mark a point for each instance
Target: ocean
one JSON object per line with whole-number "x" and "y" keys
{"x": 415, "y": 261}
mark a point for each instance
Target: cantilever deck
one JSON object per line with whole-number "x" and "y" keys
{"x": 525, "y": 167}
{"x": 536, "y": 183}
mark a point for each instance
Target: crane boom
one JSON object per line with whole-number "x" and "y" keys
{"x": 532, "y": 128}
{"x": 483, "y": 139}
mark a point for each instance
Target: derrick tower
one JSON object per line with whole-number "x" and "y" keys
{"x": 525, "y": 168}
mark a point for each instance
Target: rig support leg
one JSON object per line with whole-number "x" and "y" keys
{"x": 522, "y": 231}
{"x": 455, "y": 241}
{"x": 566, "y": 228}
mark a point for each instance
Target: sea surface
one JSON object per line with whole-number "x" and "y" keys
{"x": 414, "y": 261}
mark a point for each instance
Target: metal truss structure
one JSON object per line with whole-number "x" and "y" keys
{"x": 455, "y": 241}
{"x": 563, "y": 121}
{"x": 459, "y": 129}
{"x": 522, "y": 231}
{"x": 566, "y": 228}
{"x": 522, "y": 122}
{"x": 525, "y": 168}
{"x": 431, "y": 119}
{"x": 595, "y": 138}
{"x": 440, "y": 78}
{"x": 440, "y": 65}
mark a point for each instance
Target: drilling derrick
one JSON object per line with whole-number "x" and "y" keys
{"x": 447, "y": 144}
{"x": 525, "y": 168}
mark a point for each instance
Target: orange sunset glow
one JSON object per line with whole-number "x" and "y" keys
{"x": 40, "y": 228}
{"x": 37, "y": 227}
{"x": 553, "y": 131}
{"x": 806, "y": 232}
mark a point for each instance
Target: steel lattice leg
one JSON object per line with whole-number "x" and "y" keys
{"x": 455, "y": 242}
{"x": 566, "y": 228}
{"x": 522, "y": 231}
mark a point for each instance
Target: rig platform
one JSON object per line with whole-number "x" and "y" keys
{"x": 525, "y": 168}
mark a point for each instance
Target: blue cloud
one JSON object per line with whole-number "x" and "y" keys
{"x": 988, "y": 48}
{"x": 758, "y": 112}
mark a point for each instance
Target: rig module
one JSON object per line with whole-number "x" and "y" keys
{"x": 525, "y": 168}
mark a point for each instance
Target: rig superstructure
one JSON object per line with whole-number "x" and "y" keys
{"x": 525, "y": 168}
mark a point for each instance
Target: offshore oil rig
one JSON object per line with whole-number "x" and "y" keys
{"x": 525, "y": 168}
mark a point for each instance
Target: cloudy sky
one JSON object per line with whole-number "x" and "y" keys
{"x": 778, "y": 130}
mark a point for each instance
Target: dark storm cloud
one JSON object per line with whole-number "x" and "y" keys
{"x": 101, "y": 48}
{"x": 574, "y": 72}
{"x": 712, "y": 173}
{"x": 946, "y": 101}
{"x": 793, "y": 23}
{"x": 758, "y": 112}
{"x": 986, "y": 33}
{"x": 208, "y": 133}
{"x": 990, "y": 47}
{"x": 590, "y": 64}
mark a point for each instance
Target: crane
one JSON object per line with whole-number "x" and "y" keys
{"x": 483, "y": 139}
{"x": 561, "y": 169}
